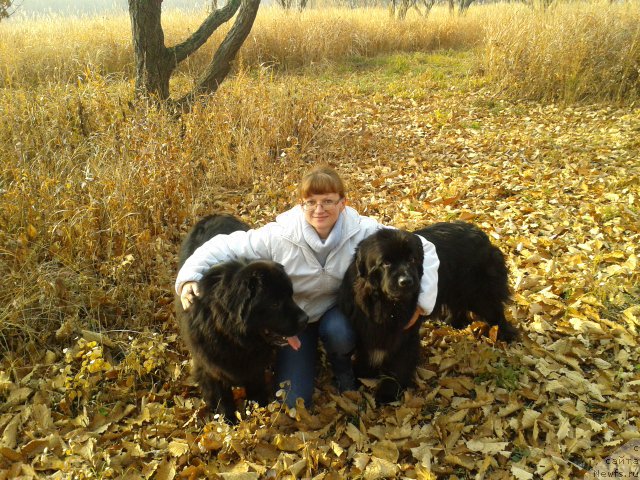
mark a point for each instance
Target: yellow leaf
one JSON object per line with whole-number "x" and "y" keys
{"x": 35, "y": 447}
{"x": 632, "y": 262}
{"x": 354, "y": 434}
{"x": 386, "y": 450}
{"x": 288, "y": 444}
{"x": 380, "y": 468}
{"x": 564, "y": 429}
{"x": 613, "y": 197}
{"x": 423, "y": 454}
{"x": 529, "y": 418}
{"x": 465, "y": 461}
{"x": 18, "y": 396}
{"x": 423, "y": 473}
{"x": 297, "y": 468}
{"x": 345, "y": 404}
{"x": 10, "y": 432}
{"x": 520, "y": 473}
{"x": 337, "y": 449}
{"x": 178, "y": 448}
{"x": 360, "y": 461}
{"x": 10, "y": 454}
{"x": 166, "y": 470}
{"x": 585, "y": 326}
{"x": 487, "y": 446}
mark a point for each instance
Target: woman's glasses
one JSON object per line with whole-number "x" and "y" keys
{"x": 327, "y": 205}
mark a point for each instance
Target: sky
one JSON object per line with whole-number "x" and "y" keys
{"x": 94, "y": 7}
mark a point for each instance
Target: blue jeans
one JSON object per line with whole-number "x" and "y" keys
{"x": 298, "y": 368}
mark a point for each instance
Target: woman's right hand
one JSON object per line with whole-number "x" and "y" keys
{"x": 188, "y": 293}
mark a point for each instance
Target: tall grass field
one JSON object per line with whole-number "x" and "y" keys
{"x": 96, "y": 189}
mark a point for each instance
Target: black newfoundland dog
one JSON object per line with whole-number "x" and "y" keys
{"x": 380, "y": 291}
{"x": 244, "y": 310}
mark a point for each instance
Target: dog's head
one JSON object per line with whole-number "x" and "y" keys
{"x": 391, "y": 262}
{"x": 249, "y": 299}
{"x": 269, "y": 308}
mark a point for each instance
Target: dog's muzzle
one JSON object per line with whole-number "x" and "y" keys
{"x": 400, "y": 288}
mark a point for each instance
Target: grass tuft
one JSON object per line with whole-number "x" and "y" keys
{"x": 570, "y": 52}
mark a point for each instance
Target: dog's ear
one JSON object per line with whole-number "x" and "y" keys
{"x": 243, "y": 291}
{"x": 255, "y": 283}
{"x": 258, "y": 277}
{"x": 215, "y": 276}
{"x": 361, "y": 263}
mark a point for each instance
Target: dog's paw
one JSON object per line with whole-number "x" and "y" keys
{"x": 389, "y": 390}
{"x": 508, "y": 333}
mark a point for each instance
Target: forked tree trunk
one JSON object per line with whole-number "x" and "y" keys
{"x": 155, "y": 62}
{"x": 220, "y": 66}
{"x": 405, "y": 5}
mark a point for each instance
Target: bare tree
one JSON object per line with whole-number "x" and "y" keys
{"x": 428, "y": 5}
{"x": 463, "y": 6}
{"x": 403, "y": 6}
{"x": 289, "y": 4}
{"x": 155, "y": 62}
{"x": 5, "y": 9}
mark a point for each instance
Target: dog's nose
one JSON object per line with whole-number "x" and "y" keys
{"x": 405, "y": 281}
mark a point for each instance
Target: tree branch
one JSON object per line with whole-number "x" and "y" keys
{"x": 220, "y": 66}
{"x": 222, "y": 15}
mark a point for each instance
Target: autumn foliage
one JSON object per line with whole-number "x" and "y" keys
{"x": 96, "y": 193}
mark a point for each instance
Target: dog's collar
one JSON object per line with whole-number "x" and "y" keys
{"x": 414, "y": 318}
{"x": 412, "y": 322}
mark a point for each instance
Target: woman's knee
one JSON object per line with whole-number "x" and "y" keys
{"x": 336, "y": 332}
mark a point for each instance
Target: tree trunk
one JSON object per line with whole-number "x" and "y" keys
{"x": 153, "y": 66}
{"x": 464, "y": 6}
{"x": 155, "y": 62}
{"x": 428, "y": 6}
{"x": 405, "y": 5}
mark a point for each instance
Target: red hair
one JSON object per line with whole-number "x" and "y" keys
{"x": 320, "y": 180}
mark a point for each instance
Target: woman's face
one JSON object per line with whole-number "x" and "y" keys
{"x": 321, "y": 214}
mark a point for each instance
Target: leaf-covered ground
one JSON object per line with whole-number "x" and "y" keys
{"x": 418, "y": 141}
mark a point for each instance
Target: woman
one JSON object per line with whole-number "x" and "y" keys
{"x": 315, "y": 242}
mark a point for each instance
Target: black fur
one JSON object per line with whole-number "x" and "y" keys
{"x": 379, "y": 295}
{"x": 380, "y": 291}
{"x": 244, "y": 310}
{"x": 473, "y": 277}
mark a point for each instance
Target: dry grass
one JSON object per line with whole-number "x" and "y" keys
{"x": 59, "y": 49}
{"x": 318, "y": 36}
{"x": 571, "y": 52}
{"x": 62, "y": 49}
{"x": 95, "y": 193}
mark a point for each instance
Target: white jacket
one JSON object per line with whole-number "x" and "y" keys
{"x": 315, "y": 287}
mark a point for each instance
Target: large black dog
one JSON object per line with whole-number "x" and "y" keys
{"x": 243, "y": 311}
{"x": 380, "y": 291}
